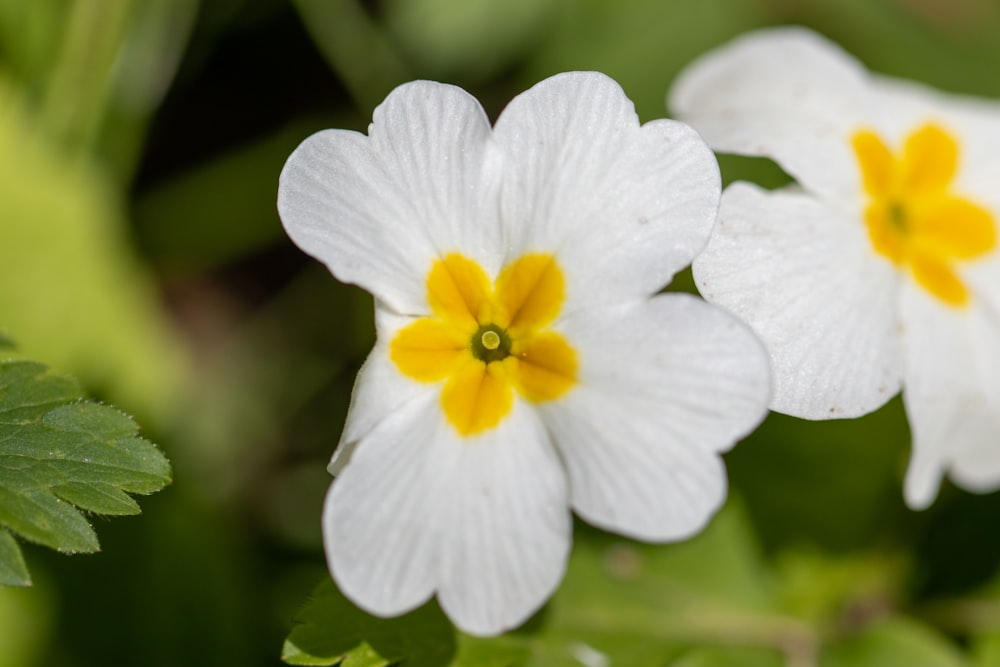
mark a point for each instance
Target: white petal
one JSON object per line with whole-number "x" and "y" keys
{"x": 624, "y": 206}
{"x": 784, "y": 93}
{"x": 377, "y": 210}
{"x": 665, "y": 385}
{"x": 382, "y": 519}
{"x": 510, "y": 526}
{"x": 380, "y": 389}
{"x": 484, "y": 521}
{"x": 808, "y": 282}
{"x": 952, "y": 394}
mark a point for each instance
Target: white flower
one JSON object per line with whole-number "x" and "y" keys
{"x": 523, "y": 368}
{"x": 881, "y": 268}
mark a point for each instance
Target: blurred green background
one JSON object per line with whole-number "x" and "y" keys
{"x": 140, "y": 250}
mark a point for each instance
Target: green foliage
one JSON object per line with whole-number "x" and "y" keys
{"x": 986, "y": 650}
{"x": 13, "y": 570}
{"x": 629, "y": 603}
{"x": 895, "y": 643}
{"x": 60, "y": 456}
{"x": 221, "y": 211}
{"x": 642, "y": 44}
{"x": 467, "y": 38}
{"x": 717, "y": 656}
{"x": 332, "y": 631}
{"x": 123, "y": 185}
{"x": 713, "y": 601}
{"x": 71, "y": 289}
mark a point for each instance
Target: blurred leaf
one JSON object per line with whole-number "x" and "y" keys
{"x": 973, "y": 613}
{"x": 895, "y": 642}
{"x": 836, "y": 484}
{"x": 642, "y": 44}
{"x": 502, "y": 651}
{"x": 730, "y": 657}
{"x": 58, "y": 451}
{"x": 762, "y": 171}
{"x": 631, "y": 600}
{"x": 355, "y": 48}
{"x": 72, "y": 291}
{"x": 950, "y": 45}
{"x": 621, "y": 602}
{"x": 146, "y": 62}
{"x": 222, "y": 210}
{"x": 5, "y": 342}
{"x": 332, "y": 631}
{"x": 26, "y": 616}
{"x": 82, "y": 71}
{"x": 467, "y": 38}
{"x": 986, "y": 650}
{"x": 28, "y": 37}
{"x": 846, "y": 590}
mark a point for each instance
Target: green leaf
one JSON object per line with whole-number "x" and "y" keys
{"x": 467, "y": 38}
{"x": 621, "y": 601}
{"x": 13, "y": 571}
{"x": 895, "y": 642}
{"x": 330, "y": 630}
{"x": 642, "y": 44}
{"x": 5, "y": 342}
{"x": 221, "y": 210}
{"x": 60, "y": 455}
{"x": 711, "y": 601}
{"x": 72, "y": 290}
{"x": 730, "y": 657}
{"x": 986, "y": 650}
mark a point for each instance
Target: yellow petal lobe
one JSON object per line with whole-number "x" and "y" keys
{"x": 530, "y": 292}
{"x": 428, "y": 350}
{"x": 930, "y": 160}
{"x": 956, "y": 228}
{"x": 876, "y": 162}
{"x": 937, "y": 278}
{"x": 477, "y": 397}
{"x": 457, "y": 290}
{"x": 543, "y": 367}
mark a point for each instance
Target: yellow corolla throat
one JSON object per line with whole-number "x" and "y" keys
{"x": 486, "y": 341}
{"x": 914, "y": 217}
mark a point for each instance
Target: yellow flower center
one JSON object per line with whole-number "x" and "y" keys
{"x": 913, "y": 216}
{"x": 488, "y": 341}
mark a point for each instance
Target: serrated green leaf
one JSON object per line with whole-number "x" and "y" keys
{"x": 22, "y": 399}
{"x": 98, "y": 497}
{"x": 37, "y": 515}
{"x": 330, "y": 630}
{"x": 60, "y": 454}
{"x": 13, "y": 571}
